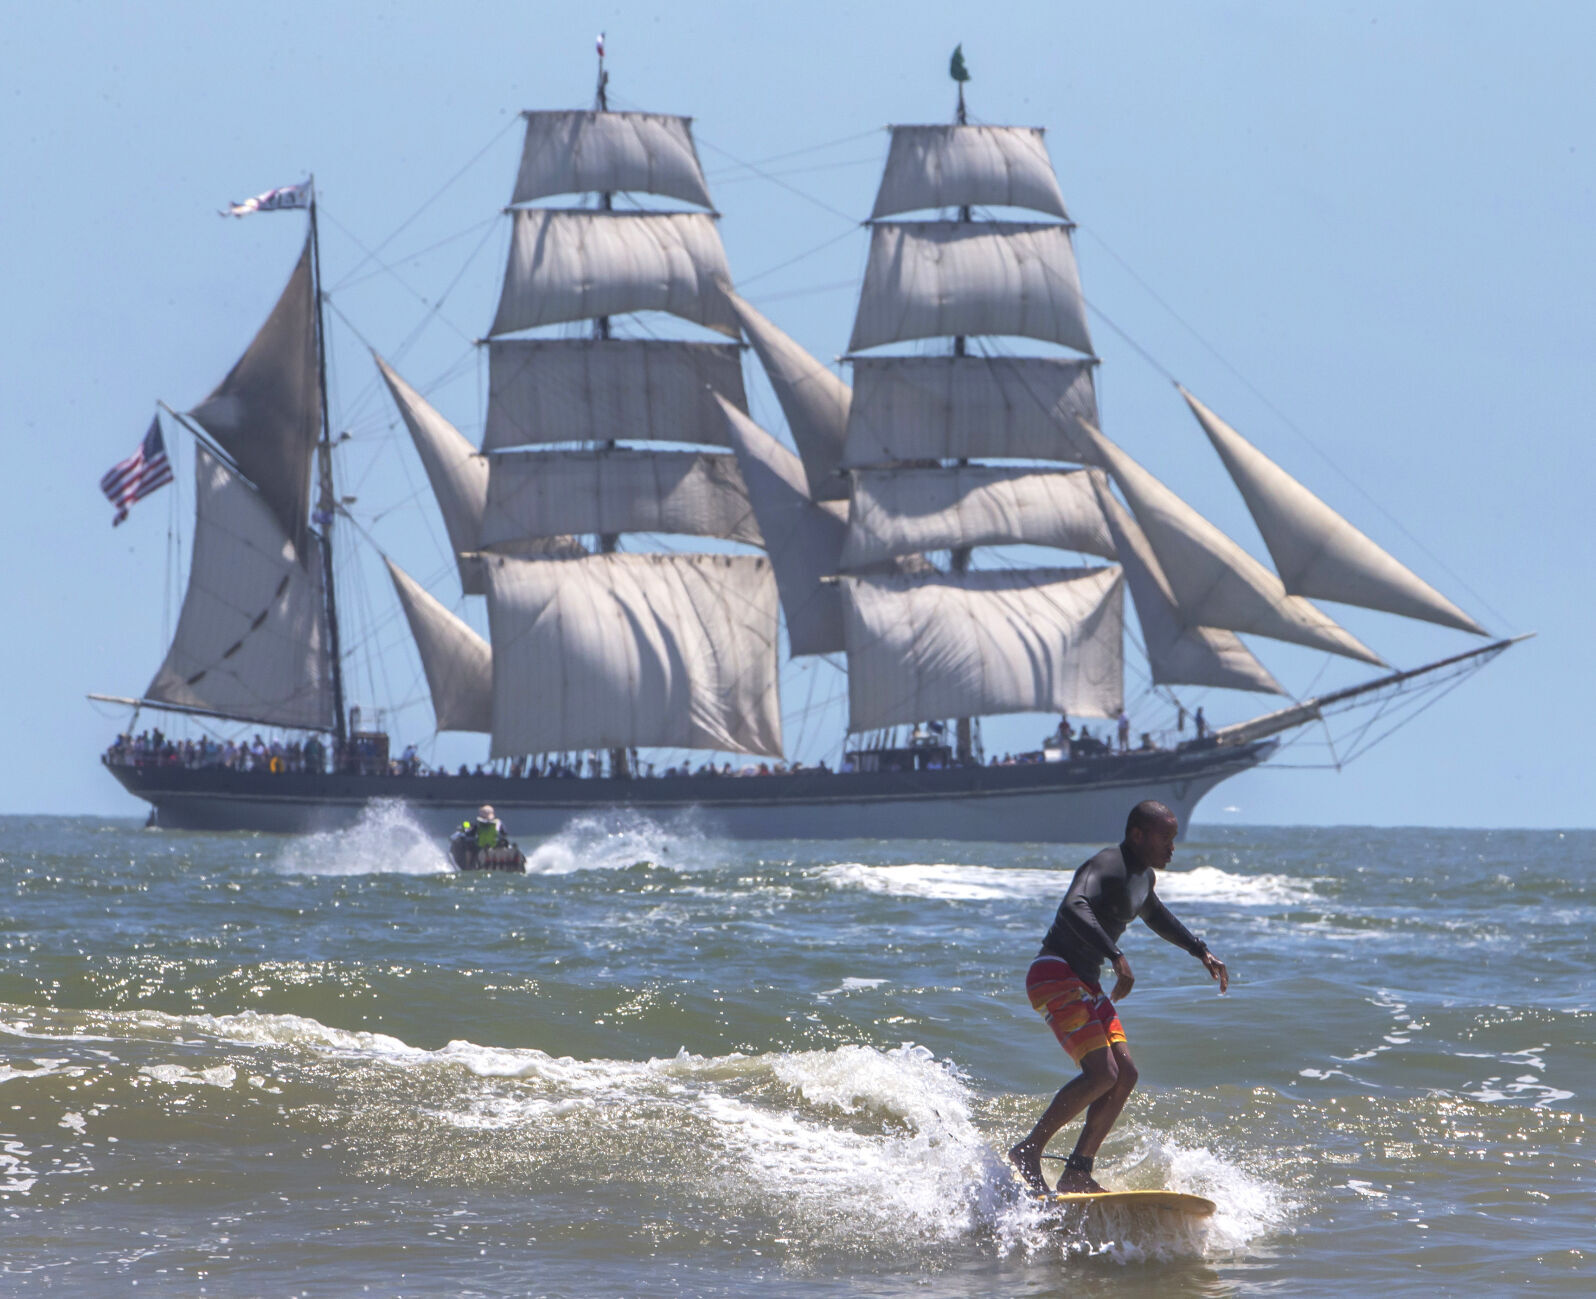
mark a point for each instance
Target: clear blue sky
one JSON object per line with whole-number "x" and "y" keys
{"x": 1362, "y": 233}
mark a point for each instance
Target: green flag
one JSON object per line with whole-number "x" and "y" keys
{"x": 956, "y": 68}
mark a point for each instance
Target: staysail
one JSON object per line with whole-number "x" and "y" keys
{"x": 1215, "y": 582}
{"x": 814, "y": 400}
{"x": 251, "y": 641}
{"x": 1176, "y": 654}
{"x": 1316, "y": 551}
{"x": 459, "y": 476}
{"x": 458, "y": 663}
{"x": 804, "y": 537}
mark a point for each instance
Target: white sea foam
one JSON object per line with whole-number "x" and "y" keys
{"x": 385, "y": 839}
{"x": 40, "y": 1067}
{"x": 1531, "y": 1087}
{"x": 948, "y": 882}
{"x": 1247, "y": 1206}
{"x": 220, "y": 1076}
{"x": 17, "y": 1175}
{"x": 850, "y": 985}
{"x": 845, "y": 1147}
{"x": 253, "y": 1028}
{"x": 854, "y": 1143}
{"x": 1210, "y": 884}
{"x": 961, "y": 883}
{"x": 620, "y": 839}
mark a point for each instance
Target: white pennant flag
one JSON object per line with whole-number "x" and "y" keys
{"x": 273, "y": 200}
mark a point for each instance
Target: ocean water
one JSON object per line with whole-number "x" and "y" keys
{"x": 662, "y": 1064}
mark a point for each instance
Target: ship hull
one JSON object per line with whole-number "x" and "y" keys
{"x": 1057, "y": 802}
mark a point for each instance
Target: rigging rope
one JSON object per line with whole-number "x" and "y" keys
{"x": 428, "y": 202}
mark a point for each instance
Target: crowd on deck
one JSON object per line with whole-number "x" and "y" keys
{"x": 152, "y": 749}
{"x": 367, "y": 754}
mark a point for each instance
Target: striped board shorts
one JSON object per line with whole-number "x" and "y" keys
{"x": 1079, "y": 1013}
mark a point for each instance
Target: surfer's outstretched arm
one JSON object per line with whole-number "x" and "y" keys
{"x": 1216, "y": 970}
{"x": 1163, "y": 922}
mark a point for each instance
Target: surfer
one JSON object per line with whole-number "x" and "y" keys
{"x": 1108, "y": 892}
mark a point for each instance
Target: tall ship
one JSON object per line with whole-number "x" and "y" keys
{"x": 954, "y": 529}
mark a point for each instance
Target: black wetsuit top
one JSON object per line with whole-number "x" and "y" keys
{"x": 1104, "y": 897}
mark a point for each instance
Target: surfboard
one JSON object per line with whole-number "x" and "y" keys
{"x": 1192, "y": 1206}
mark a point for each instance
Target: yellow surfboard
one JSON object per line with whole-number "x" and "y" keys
{"x": 1191, "y": 1206}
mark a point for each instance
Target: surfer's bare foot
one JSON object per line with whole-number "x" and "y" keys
{"x": 1027, "y": 1161}
{"x": 1072, "y": 1181}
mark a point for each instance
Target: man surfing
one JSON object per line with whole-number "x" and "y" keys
{"x": 1108, "y": 892}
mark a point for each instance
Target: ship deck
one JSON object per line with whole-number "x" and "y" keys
{"x": 1083, "y": 800}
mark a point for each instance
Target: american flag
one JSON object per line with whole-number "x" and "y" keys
{"x": 140, "y": 474}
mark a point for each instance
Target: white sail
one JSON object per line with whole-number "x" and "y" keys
{"x": 909, "y": 509}
{"x": 952, "y": 407}
{"x": 267, "y": 413}
{"x": 1316, "y": 551}
{"x": 968, "y": 166}
{"x": 582, "y": 265}
{"x": 1176, "y": 654}
{"x": 936, "y": 278}
{"x": 994, "y": 641}
{"x": 623, "y": 650}
{"x": 457, "y": 662}
{"x": 803, "y": 537}
{"x": 251, "y": 640}
{"x": 459, "y": 476}
{"x": 575, "y": 152}
{"x": 1215, "y": 582}
{"x": 593, "y": 390}
{"x": 814, "y": 400}
{"x": 554, "y": 493}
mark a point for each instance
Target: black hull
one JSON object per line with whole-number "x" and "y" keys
{"x": 1055, "y": 802}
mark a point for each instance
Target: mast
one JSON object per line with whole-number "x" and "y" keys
{"x": 966, "y": 642}
{"x": 252, "y": 642}
{"x": 327, "y": 501}
{"x": 650, "y": 649}
{"x": 608, "y": 542}
{"x": 601, "y": 102}
{"x": 959, "y": 557}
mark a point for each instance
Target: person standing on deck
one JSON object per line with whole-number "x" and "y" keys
{"x": 1108, "y": 892}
